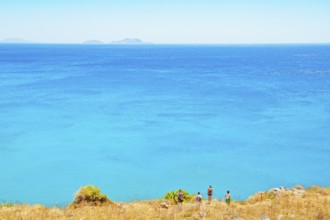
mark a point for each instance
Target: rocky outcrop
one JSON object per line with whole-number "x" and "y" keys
{"x": 297, "y": 190}
{"x": 299, "y": 187}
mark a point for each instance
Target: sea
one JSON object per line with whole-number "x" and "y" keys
{"x": 138, "y": 121}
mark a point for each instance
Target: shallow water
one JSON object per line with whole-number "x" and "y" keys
{"x": 139, "y": 121}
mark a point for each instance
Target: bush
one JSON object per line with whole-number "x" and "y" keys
{"x": 321, "y": 190}
{"x": 173, "y": 196}
{"x": 5, "y": 204}
{"x": 90, "y": 195}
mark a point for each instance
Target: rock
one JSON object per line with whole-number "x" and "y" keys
{"x": 238, "y": 218}
{"x": 202, "y": 214}
{"x": 164, "y": 205}
{"x": 277, "y": 191}
{"x": 71, "y": 214}
{"x": 274, "y": 191}
{"x": 282, "y": 188}
{"x": 298, "y": 192}
{"x": 299, "y": 187}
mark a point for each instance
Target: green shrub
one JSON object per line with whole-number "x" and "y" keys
{"x": 90, "y": 195}
{"x": 173, "y": 196}
{"x": 5, "y": 204}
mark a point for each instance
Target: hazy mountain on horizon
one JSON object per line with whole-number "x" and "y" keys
{"x": 93, "y": 42}
{"x": 130, "y": 41}
{"x": 14, "y": 41}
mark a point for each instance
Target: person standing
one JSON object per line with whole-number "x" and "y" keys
{"x": 199, "y": 199}
{"x": 227, "y": 197}
{"x": 180, "y": 197}
{"x": 209, "y": 193}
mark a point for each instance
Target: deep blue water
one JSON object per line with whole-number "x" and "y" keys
{"x": 139, "y": 121}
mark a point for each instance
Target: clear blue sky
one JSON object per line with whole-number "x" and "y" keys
{"x": 167, "y": 21}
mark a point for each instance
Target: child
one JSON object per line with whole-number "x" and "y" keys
{"x": 228, "y": 198}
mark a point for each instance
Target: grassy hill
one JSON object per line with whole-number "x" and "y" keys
{"x": 277, "y": 203}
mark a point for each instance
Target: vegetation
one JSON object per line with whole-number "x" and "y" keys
{"x": 172, "y": 196}
{"x": 5, "y": 204}
{"x": 90, "y": 195}
{"x": 313, "y": 204}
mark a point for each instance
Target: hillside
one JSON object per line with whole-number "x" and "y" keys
{"x": 277, "y": 203}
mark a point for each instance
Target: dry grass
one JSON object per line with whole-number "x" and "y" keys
{"x": 314, "y": 205}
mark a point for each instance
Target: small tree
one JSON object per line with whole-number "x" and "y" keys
{"x": 90, "y": 195}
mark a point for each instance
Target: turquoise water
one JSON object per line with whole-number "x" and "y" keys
{"x": 139, "y": 121}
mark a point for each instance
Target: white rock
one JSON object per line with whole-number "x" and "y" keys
{"x": 299, "y": 187}
{"x": 282, "y": 188}
{"x": 238, "y": 218}
{"x": 298, "y": 192}
{"x": 164, "y": 205}
{"x": 202, "y": 214}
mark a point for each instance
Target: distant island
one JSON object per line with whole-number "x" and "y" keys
{"x": 14, "y": 41}
{"x": 93, "y": 42}
{"x": 130, "y": 41}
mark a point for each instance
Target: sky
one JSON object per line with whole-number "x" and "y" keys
{"x": 167, "y": 21}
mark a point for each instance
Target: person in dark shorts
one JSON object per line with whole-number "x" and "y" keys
{"x": 209, "y": 193}
{"x": 180, "y": 197}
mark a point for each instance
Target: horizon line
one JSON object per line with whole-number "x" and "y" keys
{"x": 151, "y": 43}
